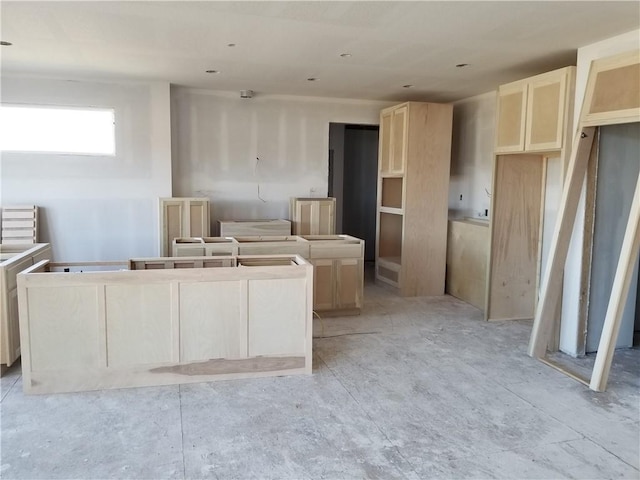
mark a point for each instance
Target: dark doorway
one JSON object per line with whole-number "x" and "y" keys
{"x": 353, "y": 178}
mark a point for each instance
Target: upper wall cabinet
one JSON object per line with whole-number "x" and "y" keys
{"x": 182, "y": 217}
{"x": 393, "y": 151}
{"x": 533, "y": 113}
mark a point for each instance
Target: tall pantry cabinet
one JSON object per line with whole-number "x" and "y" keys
{"x": 413, "y": 188}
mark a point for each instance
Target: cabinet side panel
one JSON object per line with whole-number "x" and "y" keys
{"x": 211, "y": 324}
{"x": 517, "y": 196}
{"x": 467, "y": 250}
{"x": 424, "y": 249}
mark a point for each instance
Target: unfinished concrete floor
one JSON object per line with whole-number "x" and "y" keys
{"x": 413, "y": 388}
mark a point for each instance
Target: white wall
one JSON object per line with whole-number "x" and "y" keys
{"x": 569, "y": 334}
{"x": 474, "y": 121}
{"x": 217, "y": 137}
{"x": 95, "y": 207}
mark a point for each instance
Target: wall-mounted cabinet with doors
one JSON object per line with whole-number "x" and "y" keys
{"x": 533, "y": 143}
{"x": 533, "y": 113}
{"x": 413, "y": 186}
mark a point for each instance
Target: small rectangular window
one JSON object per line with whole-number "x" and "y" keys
{"x": 30, "y": 128}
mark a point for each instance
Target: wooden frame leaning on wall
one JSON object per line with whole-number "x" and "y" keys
{"x": 612, "y": 97}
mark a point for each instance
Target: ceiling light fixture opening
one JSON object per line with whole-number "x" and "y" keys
{"x": 462, "y": 65}
{"x": 231, "y": 44}
{"x": 212, "y": 71}
{"x": 407, "y": 86}
{"x": 312, "y": 79}
{"x": 345, "y": 55}
{"x": 5, "y": 44}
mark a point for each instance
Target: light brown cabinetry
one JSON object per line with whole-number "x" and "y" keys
{"x": 313, "y": 216}
{"x": 534, "y": 127}
{"x": 533, "y": 113}
{"x": 413, "y": 185}
{"x": 13, "y": 260}
{"x": 393, "y": 148}
{"x": 182, "y": 217}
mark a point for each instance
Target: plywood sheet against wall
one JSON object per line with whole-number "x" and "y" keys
{"x": 517, "y": 197}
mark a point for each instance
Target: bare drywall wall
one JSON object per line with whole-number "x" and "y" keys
{"x": 95, "y": 207}
{"x": 219, "y": 137}
{"x": 474, "y": 121}
{"x": 571, "y": 339}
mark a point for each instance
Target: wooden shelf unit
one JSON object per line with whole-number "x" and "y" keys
{"x": 413, "y": 184}
{"x": 534, "y": 124}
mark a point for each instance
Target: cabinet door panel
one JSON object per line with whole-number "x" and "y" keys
{"x": 198, "y": 219}
{"x": 385, "y": 143}
{"x": 323, "y": 285}
{"x": 398, "y": 142}
{"x": 511, "y": 118}
{"x": 545, "y": 107}
{"x": 349, "y": 273}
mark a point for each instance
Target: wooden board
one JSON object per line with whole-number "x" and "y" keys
{"x": 467, "y": 252}
{"x": 16, "y": 258}
{"x": 95, "y": 330}
{"x": 19, "y": 224}
{"x": 237, "y": 228}
{"x": 516, "y": 215}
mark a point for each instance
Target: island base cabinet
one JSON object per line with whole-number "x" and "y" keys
{"x": 130, "y": 328}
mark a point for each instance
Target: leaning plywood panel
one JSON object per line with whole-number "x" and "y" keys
{"x": 112, "y": 329}
{"x": 14, "y": 259}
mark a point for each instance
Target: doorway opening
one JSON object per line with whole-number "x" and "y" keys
{"x": 353, "y": 181}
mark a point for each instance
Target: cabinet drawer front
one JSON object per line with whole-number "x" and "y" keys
{"x": 336, "y": 251}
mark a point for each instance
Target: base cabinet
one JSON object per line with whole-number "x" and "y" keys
{"x": 164, "y": 324}
{"x": 13, "y": 260}
{"x": 337, "y": 285}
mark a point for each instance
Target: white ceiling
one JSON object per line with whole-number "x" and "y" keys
{"x": 281, "y": 44}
